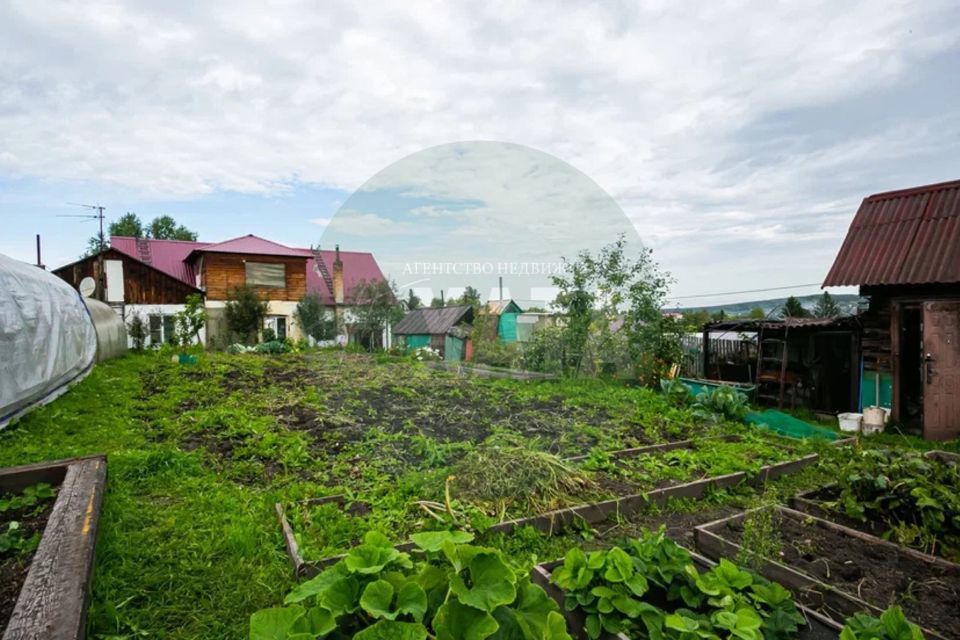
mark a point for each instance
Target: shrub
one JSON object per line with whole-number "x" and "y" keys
{"x": 245, "y": 312}
{"x": 137, "y": 330}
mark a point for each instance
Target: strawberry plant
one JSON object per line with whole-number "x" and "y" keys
{"x": 457, "y": 591}
{"x": 650, "y": 587}
{"x": 891, "y": 625}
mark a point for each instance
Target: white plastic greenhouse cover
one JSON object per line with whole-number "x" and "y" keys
{"x": 47, "y": 339}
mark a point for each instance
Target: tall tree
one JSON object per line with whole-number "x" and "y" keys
{"x": 166, "y": 228}
{"x": 793, "y": 309}
{"x": 826, "y": 306}
{"x": 314, "y": 319}
{"x": 127, "y": 225}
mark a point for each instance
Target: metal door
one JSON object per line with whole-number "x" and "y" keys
{"x": 941, "y": 370}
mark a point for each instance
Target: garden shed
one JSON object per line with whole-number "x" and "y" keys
{"x": 794, "y": 362}
{"x": 507, "y": 312}
{"x": 444, "y": 329}
{"x": 903, "y": 251}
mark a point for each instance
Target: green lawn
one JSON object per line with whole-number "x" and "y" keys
{"x": 198, "y": 455}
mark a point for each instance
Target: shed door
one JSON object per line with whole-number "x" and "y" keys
{"x": 941, "y": 370}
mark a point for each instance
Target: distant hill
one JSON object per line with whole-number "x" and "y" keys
{"x": 847, "y": 303}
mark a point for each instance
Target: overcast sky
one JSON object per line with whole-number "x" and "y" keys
{"x": 738, "y": 138}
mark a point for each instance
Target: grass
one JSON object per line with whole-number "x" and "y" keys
{"x": 197, "y": 457}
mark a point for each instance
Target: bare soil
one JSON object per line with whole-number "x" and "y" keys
{"x": 14, "y": 567}
{"x": 928, "y": 594}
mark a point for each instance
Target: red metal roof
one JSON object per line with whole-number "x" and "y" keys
{"x": 911, "y": 236}
{"x": 173, "y": 258}
{"x": 251, "y": 244}
{"x": 168, "y": 256}
{"x": 357, "y": 267}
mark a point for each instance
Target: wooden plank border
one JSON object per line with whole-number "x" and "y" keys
{"x": 55, "y": 595}
{"x": 823, "y": 595}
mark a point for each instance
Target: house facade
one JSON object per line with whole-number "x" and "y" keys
{"x": 153, "y": 278}
{"x": 903, "y": 251}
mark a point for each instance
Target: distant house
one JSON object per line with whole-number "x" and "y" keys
{"x": 507, "y": 312}
{"x": 903, "y": 251}
{"x": 445, "y": 329}
{"x": 153, "y": 278}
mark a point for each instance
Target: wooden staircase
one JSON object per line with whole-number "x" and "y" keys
{"x": 322, "y": 270}
{"x": 143, "y": 250}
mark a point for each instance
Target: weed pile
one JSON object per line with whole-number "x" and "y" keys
{"x": 497, "y": 476}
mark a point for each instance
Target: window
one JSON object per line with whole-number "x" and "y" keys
{"x": 262, "y": 274}
{"x": 278, "y": 324}
{"x": 156, "y": 329}
{"x": 161, "y": 328}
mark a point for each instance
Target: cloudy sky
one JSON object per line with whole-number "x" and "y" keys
{"x": 738, "y": 138}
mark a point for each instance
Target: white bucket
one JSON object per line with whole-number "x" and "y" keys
{"x": 870, "y": 429}
{"x": 850, "y": 421}
{"x": 874, "y": 417}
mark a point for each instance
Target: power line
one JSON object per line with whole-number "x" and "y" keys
{"x": 733, "y": 293}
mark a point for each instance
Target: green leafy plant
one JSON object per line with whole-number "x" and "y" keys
{"x": 724, "y": 401}
{"x": 650, "y": 585}
{"x": 912, "y": 497}
{"x": 13, "y": 541}
{"x": 891, "y": 625}
{"x": 457, "y": 591}
{"x": 31, "y": 498}
{"x": 677, "y": 393}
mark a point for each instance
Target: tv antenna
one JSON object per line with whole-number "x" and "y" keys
{"x": 99, "y": 209}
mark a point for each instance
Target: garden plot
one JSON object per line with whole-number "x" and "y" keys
{"x": 500, "y": 487}
{"x": 902, "y": 496}
{"x": 49, "y": 514}
{"x": 839, "y": 570}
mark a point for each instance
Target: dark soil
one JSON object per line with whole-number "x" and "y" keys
{"x": 882, "y": 576}
{"x": 679, "y": 524}
{"x": 14, "y": 568}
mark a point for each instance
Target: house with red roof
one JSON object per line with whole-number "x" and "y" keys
{"x": 903, "y": 251}
{"x": 152, "y": 278}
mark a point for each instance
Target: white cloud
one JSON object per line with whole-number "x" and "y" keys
{"x": 652, "y": 100}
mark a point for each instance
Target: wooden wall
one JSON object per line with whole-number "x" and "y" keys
{"x": 141, "y": 284}
{"x": 223, "y": 272}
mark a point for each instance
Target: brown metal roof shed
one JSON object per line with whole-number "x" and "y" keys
{"x": 910, "y": 236}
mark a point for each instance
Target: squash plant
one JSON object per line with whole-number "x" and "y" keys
{"x": 891, "y": 625}
{"x": 457, "y": 591}
{"x": 650, "y": 587}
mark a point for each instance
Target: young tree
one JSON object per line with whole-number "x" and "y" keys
{"x": 166, "y": 228}
{"x": 245, "y": 312}
{"x": 190, "y": 321}
{"x": 412, "y": 302}
{"x": 375, "y": 308}
{"x": 598, "y": 292}
{"x": 793, "y": 309}
{"x": 313, "y": 318}
{"x": 826, "y": 306}
{"x": 137, "y": 330}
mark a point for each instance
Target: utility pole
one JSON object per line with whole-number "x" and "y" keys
{"x": 101, "y": 277}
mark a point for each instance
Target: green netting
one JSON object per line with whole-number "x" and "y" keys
{"x": 787, "y": 425}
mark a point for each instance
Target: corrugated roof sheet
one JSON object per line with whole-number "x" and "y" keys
{"x": 911, "y": 236}
{"x": 432, "y": 320}
{"x": 497, "y": 307}
{"x": 251, "y": 244}
{"x": 358, "y": 267}
{"x": 168, "y": 256}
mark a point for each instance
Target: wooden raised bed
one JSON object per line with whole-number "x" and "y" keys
{"x": 55, "y": 595}
{"x": 556, "y": 521}
{"x": 717, "y": 539}
{"x": 819, "y": 627}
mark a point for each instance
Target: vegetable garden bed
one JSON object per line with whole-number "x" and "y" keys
{"x": 816, "y": 627}
{"x": 51, "y": 585}
{"x": 555, "y": 521}
{"x": 842, "y": 571}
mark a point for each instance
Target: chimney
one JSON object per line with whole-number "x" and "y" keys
{"x": 39, "y": 261}
{"x": 337, "y": 278}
